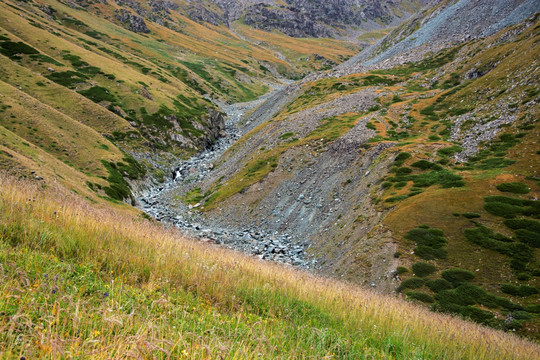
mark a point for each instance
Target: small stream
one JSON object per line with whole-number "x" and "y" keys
{"x": 156, "y": 200}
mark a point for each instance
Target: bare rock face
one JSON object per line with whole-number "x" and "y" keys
{"x": 305, "y": 18}
{"x": 133, "y": 22}
{"x": 215, "y": 125}
{"x": 308, "y": 18}
{"x": 288, "y": 20}
{"x": 199, "y": 13}
{"x": 145, "y": 93}
{"x": 297, "y": 18}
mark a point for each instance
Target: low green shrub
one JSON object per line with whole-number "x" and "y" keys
{"x": 286, "y": 135}
{"x": 430, "y": 253}
{"x": 423, "y": 269}
{"x": 514, "y": 187}
{"x": 445, "y": 178}
{"x": 522, "y": 290}
{"x": 449, "y": 151}
{"x": 412, "y": 283}
{"x": 494, "y": 163}
{"x": 526, "y": 224}
{"x": 502, "y": 209}
{"x": 521, "y": 315}
{"x": 13, "y": 49}
{"x": 420, "y": 296}
{"x": 457, "y": 276}
{"x": 402, "y": 270}
{"x": 510, "y": 207}
{"x": 98, "y": 94}
{"x": 429, "y": 242}
{"x": 401, "y": 158}
{"x": 520, "y": 253}
{"x": 396, "y": 198}
{"x": 425, "y": 165}
{"x": 470, "y": 215}
{"x": 386, "y": 184}
{"x": 478, "y": 315}
{"x": 528, "y": 237}
{"x": 67, "y": 78}
{"x": 468, "y": 294}
{"x": 437, "y": 285}
{"x": 371, "y": 126}
{"x": 403, "y": 170}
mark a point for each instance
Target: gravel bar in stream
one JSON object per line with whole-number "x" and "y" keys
{"x": 155, "y": 201}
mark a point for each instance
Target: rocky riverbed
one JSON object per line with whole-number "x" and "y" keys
{"x": 157, "y": 200}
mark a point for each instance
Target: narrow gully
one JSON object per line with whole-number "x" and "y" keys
{"x": 156, "y": 200}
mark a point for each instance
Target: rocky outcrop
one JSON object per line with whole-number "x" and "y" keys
{"x": 199, "y": 13}
{"x": 306, "y": 18}
{"x": 288, "y": 20}
{"x": 214, "y": 125}
{"x": 133, "y": 22}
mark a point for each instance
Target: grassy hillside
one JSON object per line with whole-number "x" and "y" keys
{"x": 79, "y": 280}
{"x": 452, "y": 157}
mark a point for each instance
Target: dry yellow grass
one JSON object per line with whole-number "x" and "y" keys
{"x": 139, "y": 258}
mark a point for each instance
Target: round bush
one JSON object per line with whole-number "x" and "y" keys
{"x": 423, "y": 269}
{"x": 457, "y": 276}
{"x": 402, "y": 270}
{"x": 438, "y": 285}
{"x": 412, "y": 283}
{"x": 425, "y": 165}
{"x": 402, "y": 157}
{"x": 403, "y": 170}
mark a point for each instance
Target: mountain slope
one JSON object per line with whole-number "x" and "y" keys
{"x": 113, "y": 103}
{"x": 301, "y": 18}
{"x": 412, "y": 168}
{"x": 358, "y": 167}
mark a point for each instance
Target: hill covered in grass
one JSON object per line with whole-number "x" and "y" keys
{"x": 91, "y": 102}
{"x": 81, "y": 280}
